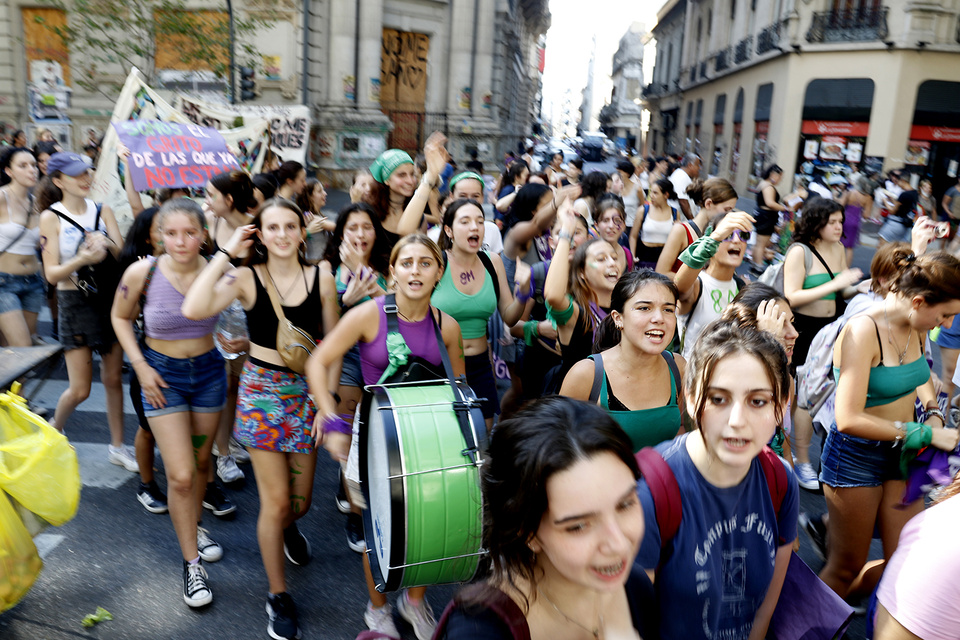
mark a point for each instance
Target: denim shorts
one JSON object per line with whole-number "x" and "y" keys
{"x": 21, "y": 293}
{"x": 849, "y": 461}
{"x": 193, "y": 384}
{"x": 896, "y": 229}
{"x": 351, "y": 375}
{"x": 81, "y": 325}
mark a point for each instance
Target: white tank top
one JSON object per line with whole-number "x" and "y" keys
{"x": 654, "y": 232}
{"x": 715, "y": 297}
{"x": 632, "y": 201}
{"x": 71, "y": 236}
{"x": 14, "y": 239}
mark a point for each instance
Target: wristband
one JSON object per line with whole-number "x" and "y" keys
{"x": 531, "y": 331}
{"x": 565, "y": 235}
{"x": 224, "y": 252}
{"x": 918, "y": 436}
{"x": 936, "y": 412}
{"x": 522, "y": 295}
{"x": 699, "y": 253}
{"x": 337, "y": 424}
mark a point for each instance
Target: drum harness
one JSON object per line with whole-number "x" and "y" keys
{"x": 461, "y": 407}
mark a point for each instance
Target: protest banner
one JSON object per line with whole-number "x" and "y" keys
{"x": 168, "y": 154}
{"x": 137, "y": 101}
{"x": 289, "y": 124}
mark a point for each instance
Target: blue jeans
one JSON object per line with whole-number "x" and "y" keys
{"x": 849, "y": 461}
{"x": 22, "y": 293}
{"x": 196, "y": 384}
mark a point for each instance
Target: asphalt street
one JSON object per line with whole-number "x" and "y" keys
{"x": 116, "y": 555}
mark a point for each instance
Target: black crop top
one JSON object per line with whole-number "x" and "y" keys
{"x": 262, "y": 321}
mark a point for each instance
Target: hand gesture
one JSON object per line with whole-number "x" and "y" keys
{"x": 435, "y": 152}
{"x": 93, "y": 250}
{"x": 945, "y": 439}
{"x": 241, "y": 240}
{"x": 123, "y": 152}
{"x": 772, "y": 319}
{"x": 924, "y": 231}
{"x": 151, "y": 384}
{"x": 359, "y": 191}
{"x": 733, "y": 221}
{"x": 570, "y": 192}
{"x": 315, "y": 223}
{"x": 848, "y": 278}
{"x": 360, "y": 285}
{"x": 350, "y": 255}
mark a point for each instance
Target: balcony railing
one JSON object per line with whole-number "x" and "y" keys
{"x": 849, "y": 25}
{"x": 721, "y": 60}
{"x": 768, "y": 39}
{"x": 742, "y": 51}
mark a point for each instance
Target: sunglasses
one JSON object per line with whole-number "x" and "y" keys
{"x": 742, "y": 236}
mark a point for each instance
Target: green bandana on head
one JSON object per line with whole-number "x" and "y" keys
{"x": 466, "y": 175}
{"x": 388, "y": 162}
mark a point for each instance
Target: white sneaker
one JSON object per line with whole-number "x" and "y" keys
{"x": 236, "y": 450}
{"x": 381, "y": 620}
{"x": 420, "y": 616}
{"x": 123, "y": 456}
{"x": 227, "y": 469}
{"x": 207, "y": 549}
{"x": 806, "y": 476}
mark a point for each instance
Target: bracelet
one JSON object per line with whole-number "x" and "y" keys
{"x": 337, "y": 424}
{"x": 901, "y": 431}
{"x": 531, "y": 331}
{"x": 224, "y": 252}
{"x": 564, "y": 235}
{"x": 936, "y": 412}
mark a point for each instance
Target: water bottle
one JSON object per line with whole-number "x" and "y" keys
{"x": 232, "y": 324}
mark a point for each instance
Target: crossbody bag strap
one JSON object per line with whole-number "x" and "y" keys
{"x": 597, "y": 378}
{"x": 822, "y": 261}
{"x": 674, "y": 371}
{"x": 272, "y": 293}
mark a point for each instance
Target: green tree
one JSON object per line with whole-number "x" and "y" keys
{"x": 107, "y": 37}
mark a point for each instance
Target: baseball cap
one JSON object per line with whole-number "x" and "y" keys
{"x": 71, "y": 164}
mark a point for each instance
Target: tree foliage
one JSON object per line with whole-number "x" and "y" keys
{"x": 107, "y": 37}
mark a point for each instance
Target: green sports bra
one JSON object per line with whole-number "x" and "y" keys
{"x": 811, "y": 282}
{"x": 645, "y": 427}
{"x": 471, "y": 312}
{"x": 889, "y": 384}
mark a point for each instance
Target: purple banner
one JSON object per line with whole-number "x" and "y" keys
{"x": 168, "y": 154}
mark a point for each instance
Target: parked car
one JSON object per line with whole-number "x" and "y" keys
{"x": 592, "y": 147}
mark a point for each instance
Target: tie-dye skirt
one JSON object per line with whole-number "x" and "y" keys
{"x": 274, "y": 410}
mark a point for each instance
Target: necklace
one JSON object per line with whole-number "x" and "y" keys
{"x": 283, "y": 296}
{"x": 900, "y": 354}
{"x": 595, "y": 632}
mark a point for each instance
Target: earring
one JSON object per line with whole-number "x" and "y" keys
{"x": 618, "y": 326}
{"x": 260, "y": 250}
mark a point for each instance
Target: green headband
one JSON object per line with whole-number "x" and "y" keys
{"x": 466, "y": 175}
{"x": 387, "y": 162}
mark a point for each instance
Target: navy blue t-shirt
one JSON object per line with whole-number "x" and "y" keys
{"x": 723, "y": 555}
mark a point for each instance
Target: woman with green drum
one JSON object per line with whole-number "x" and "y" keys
{"x": 563, "y": 524}
{"x": 416, "y": 267}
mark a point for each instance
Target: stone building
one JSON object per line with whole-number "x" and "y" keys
{"x": 620, "y": 119}
{"x": 378, "y": 73}
{"x": 813, "y": 85}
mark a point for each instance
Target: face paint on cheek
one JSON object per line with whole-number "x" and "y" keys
{"x": 593, "y": 264}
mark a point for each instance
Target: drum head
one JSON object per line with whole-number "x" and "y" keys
{"x": 424, "y": 519}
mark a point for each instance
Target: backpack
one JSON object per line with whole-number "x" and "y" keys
{"x": 668, "y": 503}
{"x": 538, "y": 278}
{"x": 815, "y": 382}
{"x": 773, "y": 275}
{"x": 97, "y": 282}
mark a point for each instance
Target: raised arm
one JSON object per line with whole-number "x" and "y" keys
{"x": 523, "y": 232}
{"x": 219, "y": 283}
{"x": 436, "y": 154}
{"x": 510, "y": 306}
{"x": 133, "y": 196}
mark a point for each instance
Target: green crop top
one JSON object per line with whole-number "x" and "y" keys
{"x": 889, "y": 384}
{"x": 472, "y": 312}
{"x": 811, "y": 282}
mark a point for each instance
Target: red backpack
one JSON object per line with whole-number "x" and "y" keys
{"x": 665, "y": 491}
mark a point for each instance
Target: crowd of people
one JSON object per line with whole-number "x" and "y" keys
{"x": 638, "y": 357}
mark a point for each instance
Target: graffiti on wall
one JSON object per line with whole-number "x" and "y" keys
{"x": 403, "y": 69}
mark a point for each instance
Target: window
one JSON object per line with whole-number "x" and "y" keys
{"x": 40, "y": 43}
{"x": 733, "y": 10}
{"x": 170, "y": 46}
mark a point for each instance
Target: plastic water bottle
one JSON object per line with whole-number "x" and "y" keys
{"x": 232, "y": 324}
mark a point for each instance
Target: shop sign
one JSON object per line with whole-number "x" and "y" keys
{"x": 918, "y": 152}
{"x": 935, "y": 134}
{"x": 833, "y": 148}
{"x": 835, "y": 128}
{"x": 763, "y": 127}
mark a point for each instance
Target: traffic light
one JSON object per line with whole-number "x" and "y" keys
{"x": 248, "y": 84}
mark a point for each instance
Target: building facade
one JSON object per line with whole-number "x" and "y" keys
{"x": 812, "y": 85}
{"x": 376, "y": 74}
{"x": 620, "y": 119}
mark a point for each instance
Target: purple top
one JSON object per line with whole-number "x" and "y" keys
{"x": 419, "y": 336}
{"x": 162, "y": 317}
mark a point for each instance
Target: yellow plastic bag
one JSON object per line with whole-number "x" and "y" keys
{"x": 19, "y": 563}
{"x": 38, "y": 467}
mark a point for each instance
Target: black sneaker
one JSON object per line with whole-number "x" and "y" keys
{"x": 816, "y": 530}
{"x": 282, "y": 613}
{"x": 215, "y": 501}
{"x": 152, "y": 499}
{"x": 296, "y": 546}
{"x": 343, "y": 504}
{"x": 196, "y": 593}
{"x": 355, "y": 533}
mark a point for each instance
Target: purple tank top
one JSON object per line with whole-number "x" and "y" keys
{"x": 162, "y": 318}
{"x": 419, "y": 336}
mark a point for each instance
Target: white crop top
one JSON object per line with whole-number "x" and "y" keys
{"x": 14, "y": 240}
{"x": 71, "y": 236}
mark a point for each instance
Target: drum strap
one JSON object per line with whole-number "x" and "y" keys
{"x": 460, "y": 408}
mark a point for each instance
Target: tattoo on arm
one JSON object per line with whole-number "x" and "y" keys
{"x": 43, "y": 243}
{"x": 231, "y": 279}
{"x": 125, "y": 290}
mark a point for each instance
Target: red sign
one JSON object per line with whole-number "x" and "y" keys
{"x": 935, "y": 134}
{"x": 763, "y": 127}
{"x": 833, "y": 128}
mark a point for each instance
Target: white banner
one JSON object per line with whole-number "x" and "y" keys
{"x": 289, "y": 124}
{"x": 138, "y": 101}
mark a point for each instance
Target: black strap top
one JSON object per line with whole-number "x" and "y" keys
{"x": 262, "y": 321}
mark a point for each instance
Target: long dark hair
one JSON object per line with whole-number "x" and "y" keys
{"x": 816, "y": 214}
{"x": 544, "y": 438}
{"x": 379, "y": 254}
{"x": 607, "y": 334}
{"x": 305, "y": 198}
{"x": 448, "y": 217}
{"x": 238, "y": 185}
{"x": 287, "y": 171}
{"x": 258, "y": 253}
{"x": 6, "y": 160}
{"x": 46, "y": 194}
{"x": 524, "y": 205}
{"x": 382, "y": 199}
{"x": 594, "y": 184}
{"x": 138, "y": 243}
